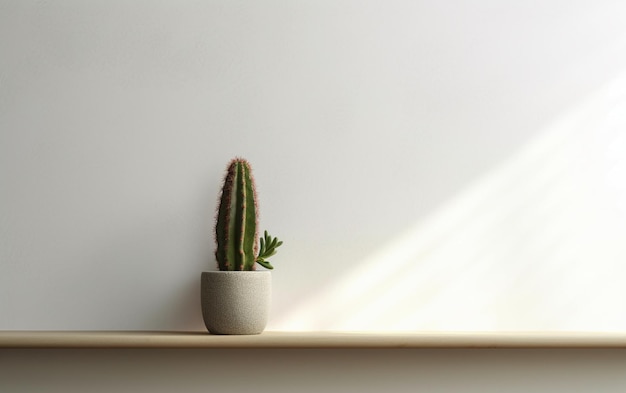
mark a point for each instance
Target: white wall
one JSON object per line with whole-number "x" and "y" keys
{"x": 400, "y": 150}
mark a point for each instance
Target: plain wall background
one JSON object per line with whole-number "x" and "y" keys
{"x": 429, "y": 165}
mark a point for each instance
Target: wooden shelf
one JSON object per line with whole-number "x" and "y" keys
{"x": 152, "y": 339}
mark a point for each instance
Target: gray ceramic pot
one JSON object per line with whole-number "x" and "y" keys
{"x": 236, "y": 302}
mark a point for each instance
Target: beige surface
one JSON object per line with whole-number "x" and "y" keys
{"x": 139, "y": 339}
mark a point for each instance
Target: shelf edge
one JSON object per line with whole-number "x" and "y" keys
{"x": 302, "y": 340}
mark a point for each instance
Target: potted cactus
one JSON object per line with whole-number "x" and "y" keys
{"x": 236, "y": 298}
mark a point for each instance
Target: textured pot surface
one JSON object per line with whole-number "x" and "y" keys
{"x": 236, "y": 302}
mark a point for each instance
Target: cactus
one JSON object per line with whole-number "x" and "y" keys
{"x": 237, "y": 218}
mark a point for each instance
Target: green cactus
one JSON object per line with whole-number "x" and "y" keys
{"x": 236, "y": 228}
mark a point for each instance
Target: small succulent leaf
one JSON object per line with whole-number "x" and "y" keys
{"x": 265, "y": 264}
{"x": 267, "y": 249}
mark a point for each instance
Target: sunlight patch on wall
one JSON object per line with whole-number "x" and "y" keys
{"x": 537, "y": 244}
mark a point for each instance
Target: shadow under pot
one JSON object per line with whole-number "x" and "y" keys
{"x": 236, "y": 302}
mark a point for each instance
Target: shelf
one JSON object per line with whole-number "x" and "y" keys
{"x": 152, "y": 339}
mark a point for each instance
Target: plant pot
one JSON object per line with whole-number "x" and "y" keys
{"x": 236, "y": 302}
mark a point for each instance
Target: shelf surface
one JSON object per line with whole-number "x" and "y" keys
{"x": 268, "y": 339}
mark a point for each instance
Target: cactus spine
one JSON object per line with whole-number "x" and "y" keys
{"x": 237, "y": 217}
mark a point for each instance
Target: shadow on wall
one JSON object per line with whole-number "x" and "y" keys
{"x": 537, "y": 244}
{"x": 130, "y": 290}
{"x": 139, "y": 275}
